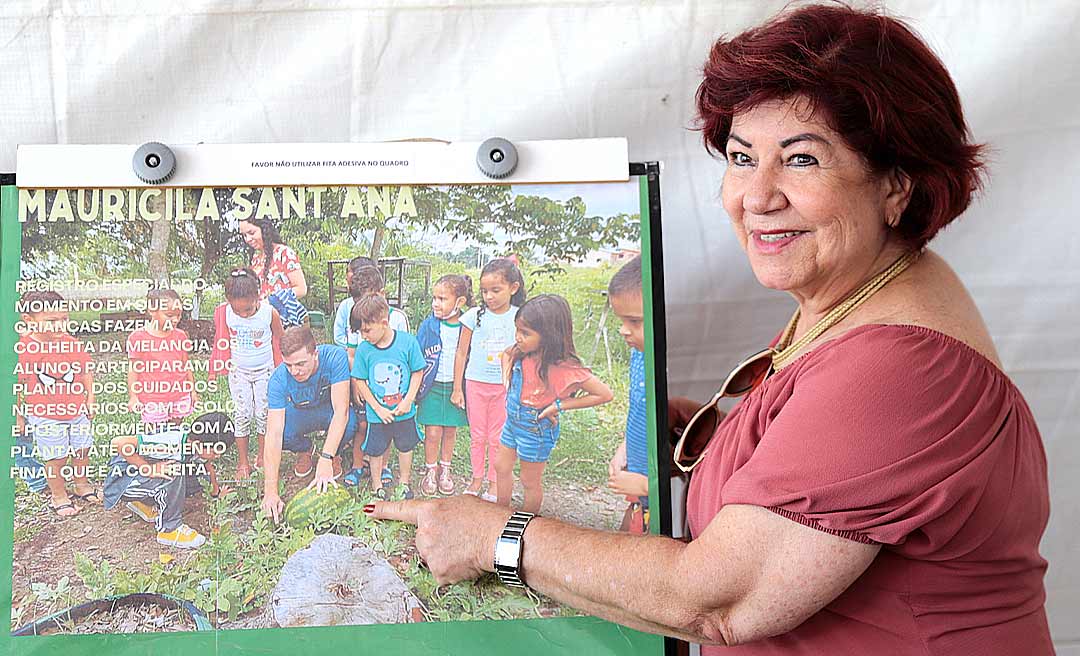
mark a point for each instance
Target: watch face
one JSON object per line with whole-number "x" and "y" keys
{"x": 507, "y": 551}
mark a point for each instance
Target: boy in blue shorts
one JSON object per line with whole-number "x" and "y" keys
{"x": 387, "y": 372}
{"x": 628, "y": 471}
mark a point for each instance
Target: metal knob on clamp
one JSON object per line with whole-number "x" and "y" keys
{"x": 497, "y": 158}
{"x": 153, "y": 162}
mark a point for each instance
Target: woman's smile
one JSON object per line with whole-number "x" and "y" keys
{"x": 769, "y": 242}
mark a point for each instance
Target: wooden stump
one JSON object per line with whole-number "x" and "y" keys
{"x": 339, "y": 580}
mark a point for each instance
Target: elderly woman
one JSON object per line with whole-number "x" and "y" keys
{"x": 881, "y": 485}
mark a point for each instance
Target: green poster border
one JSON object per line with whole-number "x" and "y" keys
{"x": 468, "y": 638}
{"x": 652, "y": 286}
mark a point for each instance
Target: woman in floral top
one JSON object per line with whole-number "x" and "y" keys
{"x": 282, "y": 280}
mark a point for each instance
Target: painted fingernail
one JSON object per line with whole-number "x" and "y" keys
{"x": 369, "y": 508}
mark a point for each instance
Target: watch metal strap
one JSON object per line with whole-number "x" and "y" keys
{"x": 510, "y": 574}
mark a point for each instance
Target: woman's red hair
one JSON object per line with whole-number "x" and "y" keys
{"x": 873, "y": 81}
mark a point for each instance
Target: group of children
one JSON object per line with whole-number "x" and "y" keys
{"x": 506, "y": 368}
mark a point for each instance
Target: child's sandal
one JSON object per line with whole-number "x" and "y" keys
{"x": 92, "y": 495}
{"x": 475, "y": 493}
{"x": 353, "y": 477}
{"x": 57, "y": 510}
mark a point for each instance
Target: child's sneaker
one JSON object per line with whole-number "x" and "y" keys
{"x": 182, "y": 537}
{"x": 488, "y": 496}
{"x": 446, "y": 479}
{"x": 380, "y": 494}
{"x": 406, "y": 491}
{"x": 142, "y": 511}
{"x": 430, "y": 485}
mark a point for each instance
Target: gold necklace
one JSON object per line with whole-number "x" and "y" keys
{"x": 785, "y": 351}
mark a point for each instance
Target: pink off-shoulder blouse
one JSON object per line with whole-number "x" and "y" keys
{"x": 908, "y": 438}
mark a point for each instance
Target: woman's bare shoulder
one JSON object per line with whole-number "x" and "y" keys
{"x": 931, "y": 295}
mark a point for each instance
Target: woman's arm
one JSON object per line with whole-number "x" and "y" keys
{"x": 298, "y": 282}
{"x": 751, "y": 574}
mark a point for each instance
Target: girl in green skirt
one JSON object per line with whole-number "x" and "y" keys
{"x": 438, "y": 337}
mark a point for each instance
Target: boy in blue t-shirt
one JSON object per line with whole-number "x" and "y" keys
{"x": 628, "y": 471}
{"x": 387, "y": 371}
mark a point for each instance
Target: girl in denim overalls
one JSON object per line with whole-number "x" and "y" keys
{"x": 543, "y": 375}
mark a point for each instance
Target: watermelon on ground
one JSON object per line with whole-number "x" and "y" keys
{"x": 306, "y": 503}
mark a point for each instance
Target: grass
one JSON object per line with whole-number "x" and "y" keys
{"x": 236, "y": 571}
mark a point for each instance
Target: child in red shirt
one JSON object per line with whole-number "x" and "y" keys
{"x": 55, "y": 397}
{"x": 161, "y": 385}
{"x": 543, "y": 375}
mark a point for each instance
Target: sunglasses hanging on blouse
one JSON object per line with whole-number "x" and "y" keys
{"x": 693, "y": 442}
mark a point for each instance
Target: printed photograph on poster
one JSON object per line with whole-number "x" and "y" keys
{"x": 211, "y": 383}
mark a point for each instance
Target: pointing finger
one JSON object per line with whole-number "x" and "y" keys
{"x": 402, "y": 511}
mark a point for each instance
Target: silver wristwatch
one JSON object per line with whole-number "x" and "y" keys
{"x": 508, "y": 550}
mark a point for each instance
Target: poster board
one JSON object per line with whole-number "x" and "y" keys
{"x": 76, "y": 220}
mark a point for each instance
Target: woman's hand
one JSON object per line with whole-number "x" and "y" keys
{"x": 455, "y": 536}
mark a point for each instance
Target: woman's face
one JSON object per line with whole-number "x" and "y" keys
{"x": 252, "y": 234}
{"x": 805, "y": 207}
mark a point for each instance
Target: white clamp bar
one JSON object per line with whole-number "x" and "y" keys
{"x": 389, "y": 163}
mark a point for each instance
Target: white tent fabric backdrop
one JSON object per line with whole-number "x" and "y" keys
{"x": 278, "y": 70}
